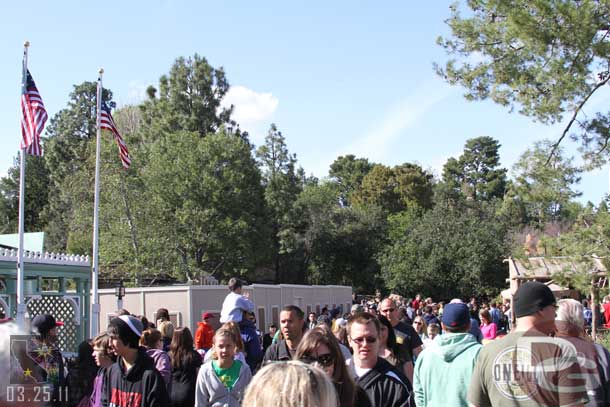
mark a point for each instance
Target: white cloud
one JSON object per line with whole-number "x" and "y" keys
{"x": 377, "y": 145}
{"x": 252, "y": 109}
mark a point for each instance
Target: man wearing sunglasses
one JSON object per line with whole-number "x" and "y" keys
{"x": 408, "y": 340}
{"x": 383, "y": 384}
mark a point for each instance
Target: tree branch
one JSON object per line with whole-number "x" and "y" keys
{"x": 603, "y": 147}
{"x": 573, "y": 119}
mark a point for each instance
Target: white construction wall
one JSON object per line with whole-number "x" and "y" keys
{"x": 187, "y": 303}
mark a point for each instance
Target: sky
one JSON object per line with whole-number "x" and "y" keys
{"x": 341, "y": 77}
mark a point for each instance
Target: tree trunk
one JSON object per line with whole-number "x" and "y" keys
{"x": 276, "y": 252}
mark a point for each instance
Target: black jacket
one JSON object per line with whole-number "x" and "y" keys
{"x": 277, "y": 352}
{"x": 140, "y": 386}
{"x": 385, "y": 386}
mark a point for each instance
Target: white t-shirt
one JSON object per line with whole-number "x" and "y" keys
{"x": 361, "y": 371}
{"x": 233, "y": 306}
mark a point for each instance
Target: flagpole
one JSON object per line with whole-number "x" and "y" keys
{"x": 20, "y": 317}
{"x": 95, "y": 306}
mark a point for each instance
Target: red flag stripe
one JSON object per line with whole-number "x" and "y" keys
{"x": 107, "y": 122}
{"x": 34, "y": 117}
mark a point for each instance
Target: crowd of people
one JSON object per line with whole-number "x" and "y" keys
{"x": 389, "y": 352}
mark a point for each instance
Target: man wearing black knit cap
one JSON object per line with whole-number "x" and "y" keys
{"x": 133, "y": 380}
{"x": 528, "y": 367}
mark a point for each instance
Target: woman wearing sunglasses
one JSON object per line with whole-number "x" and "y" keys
{"x": 420, "y": 326}
{"x": 320, "y": 347}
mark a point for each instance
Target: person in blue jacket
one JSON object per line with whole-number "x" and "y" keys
{"x": 252, "y": 343}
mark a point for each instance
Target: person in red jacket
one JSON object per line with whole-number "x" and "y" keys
{"x": 205, "y": 333}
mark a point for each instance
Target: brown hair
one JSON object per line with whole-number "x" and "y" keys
{"x": 162, "y": 314}
{"x": 102, "y": 341}
{"x": 363, "y": 318}
{"x": 181, "y": 350}
{"x": 234, "y": 284}
{"x": 320, "y": 335}
{"x": 485, "y": 314}
{"x": 150, "y": 338}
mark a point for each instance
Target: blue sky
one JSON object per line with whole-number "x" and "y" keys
{"x": 338, "y": 78}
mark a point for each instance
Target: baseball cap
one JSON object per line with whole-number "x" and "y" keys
{"x": 455, "y": 314}
{"x": 207, "y": 315}
{"x": 43, "y": 323}
{"x": 531, "y": 297}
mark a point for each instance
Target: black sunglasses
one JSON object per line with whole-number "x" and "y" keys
{"x": 323, "y": 360}
{"x": 368, "y": 339}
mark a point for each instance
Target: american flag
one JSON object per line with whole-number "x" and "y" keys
{"x": 33, "y": 118}
{"x": 107, "y": 122}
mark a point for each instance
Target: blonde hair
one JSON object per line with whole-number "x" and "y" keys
{"x": 167, "y": 329}
{"x": 423, "y": 327}
{"x": 290, "y": 384}
{"x": 234, "y": 328}
{"x": 228, "y": 331}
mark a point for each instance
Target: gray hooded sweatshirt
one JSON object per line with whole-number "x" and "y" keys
{"x": 211, "y": 392}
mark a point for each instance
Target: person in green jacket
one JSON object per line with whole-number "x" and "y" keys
{"x": 444, "y": 368}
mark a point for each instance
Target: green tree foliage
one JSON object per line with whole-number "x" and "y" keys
{"x": 68, "y": 146}
{"x": 123, "y": 212}
{"x": 282, "y": 187}
{"x": 208, "y": 205}
{"x": 71, "y": 129}
{"x": 544, "y": 57}
{"x": 392, "y": 189}
{"x": 36, "y": 196}
{"x": 545, "y": 189}
{"x": 337, "y": 243}
{"x": 476, "y": 173}
{"x": 588, "y": 237}
{"x": 453, "y": 250}
{"x": 347, "y": 173}
{"x": 189, "y": 99}
{"x": 124, "y": 209}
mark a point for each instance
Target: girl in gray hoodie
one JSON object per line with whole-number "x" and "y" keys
{"x": 223, "y": 380}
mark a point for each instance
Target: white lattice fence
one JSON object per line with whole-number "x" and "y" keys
{"x": 67, "y": 335}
